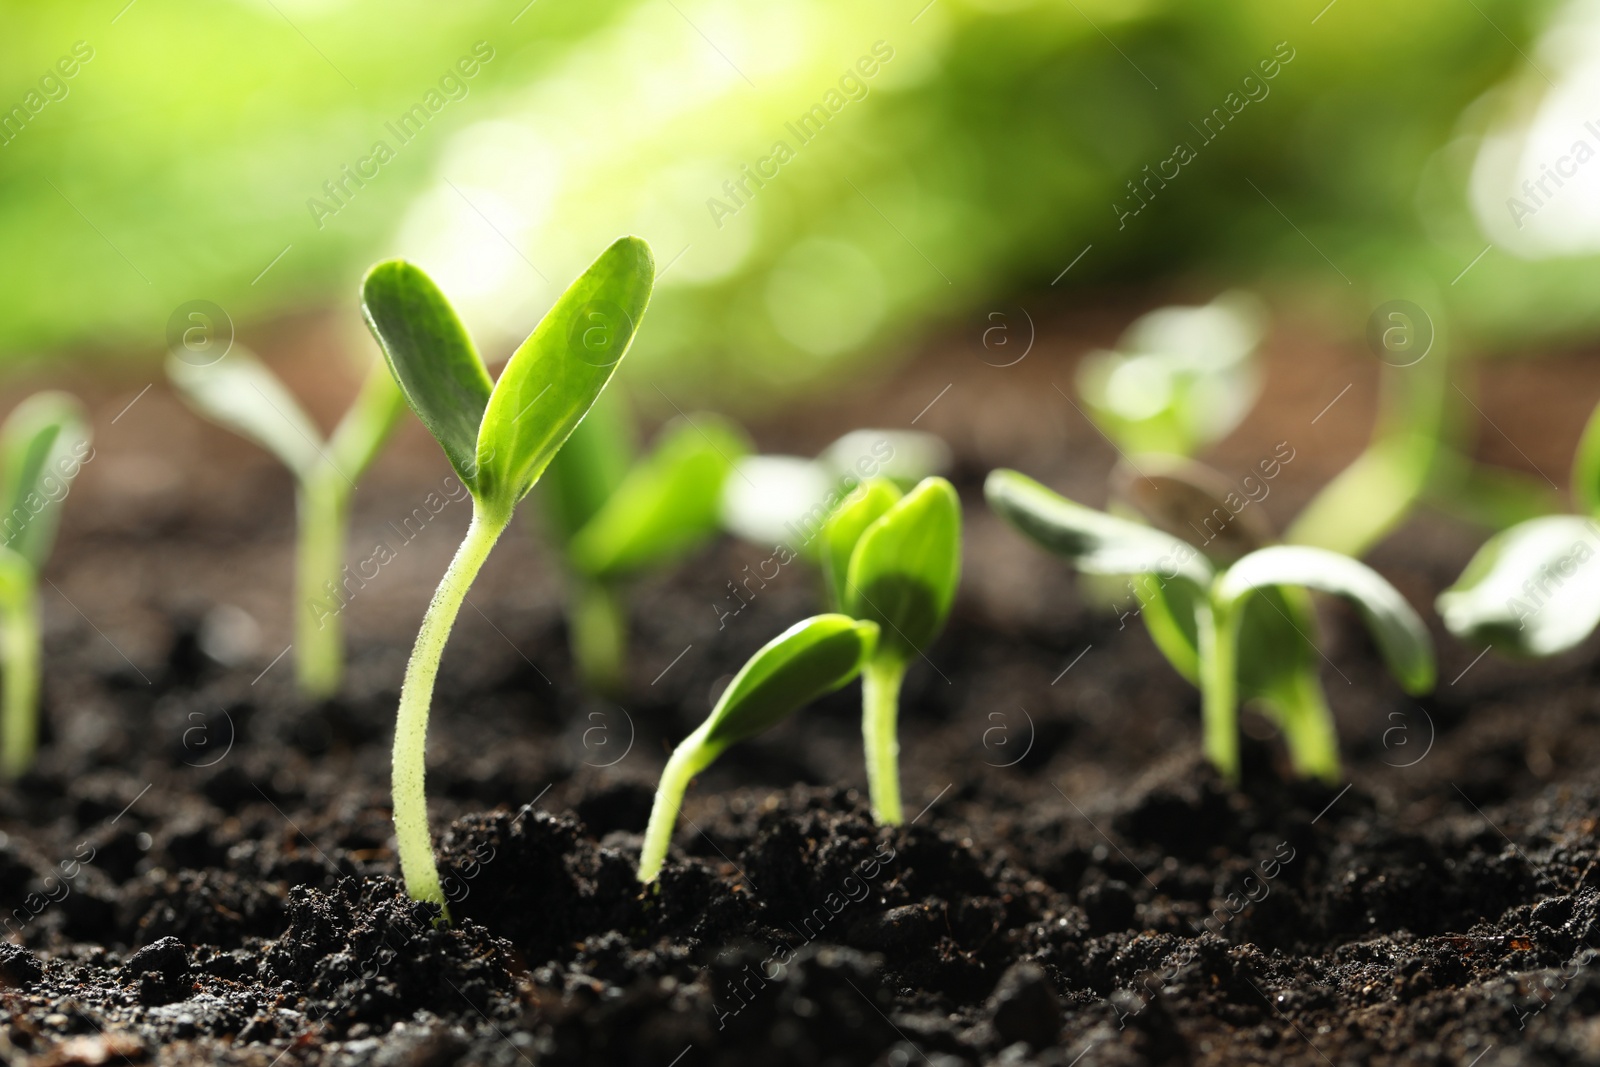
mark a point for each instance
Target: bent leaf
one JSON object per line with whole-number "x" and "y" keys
{"x": 239, "y": 392}
{"x": 431, "y": 356}
{"x": 1395, "y": 626}
{"x": 554, "y": 377}
{"x": 808, "y": 660}
{"x": 43, "y": 445}
{"x": 1533, "y": 589}
{"x": 905, "y": 567}
{"x": 843, "y": 530}
{"x": 666, "y": 505}
{"x": 1093, "y": 541}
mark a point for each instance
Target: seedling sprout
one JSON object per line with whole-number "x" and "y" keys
{"x": 43, "y": 445}
{"x": 904, "y": 561}
{"x": 806, "y": 661}
{"x": 1238, "y": 631}
{"x": 614, "y": 521}
{"x": 499, "y": 436}
{"x": 239, "y": 392}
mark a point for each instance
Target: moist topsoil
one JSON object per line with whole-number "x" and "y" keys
{"x": 201, "y": 869}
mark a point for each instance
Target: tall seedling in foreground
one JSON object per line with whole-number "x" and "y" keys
{"x": 239, "y": 392}
{"x": 499, "y": 436}
{"x": 616, "y": 520}
{"x": 43, "y": 444}
{"x": 806, "y": 661}
{"x": 894, "y": 561}
{"x": 1240, "y": 630}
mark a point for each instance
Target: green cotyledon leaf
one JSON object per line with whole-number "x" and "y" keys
{"x": 905, "y": 567}
{"x": 432, "y": 358}
{"x": 806, "y": 661}
{"x": 555, "y": 376}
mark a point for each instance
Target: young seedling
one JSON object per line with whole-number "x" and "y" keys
{"x": 1241, "y": 631}
{"x": 893, "y": 560}
{"x": 614, "y": 521}
{"x": 43, "y": 445}
{"x": 240, "y": 393}
{"x": 1532, "y": 589}
{"x": 1180, "y": 379}
{"x": 499, "y": 436}
{"x": 806, "y": 661}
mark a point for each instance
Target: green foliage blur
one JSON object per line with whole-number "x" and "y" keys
{"x": 934, "y": 155}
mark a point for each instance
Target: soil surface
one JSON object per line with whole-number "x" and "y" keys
{"x": 201, "y": 869}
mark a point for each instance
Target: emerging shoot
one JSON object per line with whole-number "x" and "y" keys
{"x": 806, "y": 661}
{"x": 240, "y": 393}
{"x": 43, "y": 445}
{"x": 615, "y": 522}
{"x": 499, "y": 436}
{"x": 894, "y": 561}
{"x": 1240, "y": 631}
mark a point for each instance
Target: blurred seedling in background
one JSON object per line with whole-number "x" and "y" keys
{"x": 1180, "y": 379}
{"x": 1239, "y": 630}
{"x": 615, "y": 518}
{"x": 43, "y": 444}
{"x": 809, "y": 660}
{"x": 1417, "y": 453}
{"x": 787, "y": 500}
{"x": 1532, "y": 589}
{"x": 895, "y": 561}
{"x": 240, "y": 393}
{"x": 499, "y": 436}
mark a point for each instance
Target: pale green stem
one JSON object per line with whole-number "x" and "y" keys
{"x": 1219, "y": 688}
{"x": 324, "y": 516}
{"x": 416, "y": 694}
{"x": 597, "y": 624}
{"x": 880, "y": 713}
{"x": 19, "y": 662}
{"x": 1309, "y": 731}
{"x": 691, "y": 757}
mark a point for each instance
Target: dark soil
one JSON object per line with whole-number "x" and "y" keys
{"x": 201, "y": 870}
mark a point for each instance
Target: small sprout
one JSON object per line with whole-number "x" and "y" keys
{"x": 904, "y": 565}
{"x": 240, "y": 393}
{"x": 1532, "y": 590}
{"x": 499, "y": 436}
{"x": 43, "y": 445}
{"x": 1181, "y": 378}
{"x": 655, "y": 513}
{"x": 808, "y": 660}
{"x": 1240, "y": 631}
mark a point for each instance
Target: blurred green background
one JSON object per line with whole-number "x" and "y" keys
{"x": 992, "y": 143}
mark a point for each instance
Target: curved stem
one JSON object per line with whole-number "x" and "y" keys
{"x": 324, "y": 516}
{"x": 880, "y": 713}
{"x": 1219, "y": 688}
{"x": 691, "y": 757}
{"x": 416, "y": 694}
{"x": 19, "y": 662}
